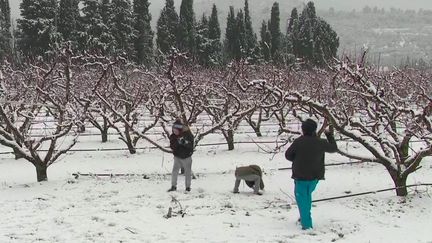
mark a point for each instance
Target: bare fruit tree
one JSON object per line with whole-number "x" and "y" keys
{"x": 272, "y": 107}
{"x": 39, "y": 87}
{"x": 183, "y": 91}
{"x": 11, "y": 104}
{"x": 93, "y": 77}
{"x": 132, "y": 98}
{"x": 227, "y": 106}
{"x": 388, "y": 114}
{"x": 192, "y": 93}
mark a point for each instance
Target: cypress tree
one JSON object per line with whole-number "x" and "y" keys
{"x": 309, "y": 12}
{"x": 240, "y": 44}
{"x": 316, "y": 41}
{"x": 143, "y": 33}
{"x": 105, "y": 11}
{"x": 293, "y": 32}
{"x": 68, "y": 19}
{"x": 186, "y": 36}
{"x": 106, "y": 37}
{"x": 275, "y": 32}
{"x": 214, "y": 27}
{"x": 167, "y": 27}
{"x": 326, "y": 43}
{"x": 5, "y": 14}
{"x": 96, "y": 25}
{"x": 122, "y": 27}
{"x": 265, "y": 41}
{"x": 307, "y": 21}
{"x": 203, "y": 41}
{"x": 5, "y": 29}
{"x": 292, "y": 21}
{"x": 230, "y": 35}
{"x": 214, "y": 35}
{"x": 37, "y": 29}
{"x": 251, "y": 38}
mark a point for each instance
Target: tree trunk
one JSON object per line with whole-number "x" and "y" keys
{"x": 255, "y": 126}
{"x": 104, "y": 134}
{"x": 41, "y": 173}
{"x": 229, "y": 137}
{"x": 398, "y": 180}
{"x": 17, "y": 154}
{"x": 400, "y": 184}
{"x": 131, "y": 148}
{"x": 81, "y": 128}
{"x": 280, "y": 131}
{"x": 257, "y": 131}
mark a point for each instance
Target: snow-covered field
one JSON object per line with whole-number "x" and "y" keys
{"x": 132, "y": 209}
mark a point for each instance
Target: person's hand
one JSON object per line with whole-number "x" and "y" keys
{"x": 183, "y": 141}
{"x": 329, "y": 130}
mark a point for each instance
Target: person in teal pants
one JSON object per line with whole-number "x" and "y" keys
{"x": 307, "y": 154}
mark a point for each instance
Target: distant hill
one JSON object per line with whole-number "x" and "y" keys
{"x": 349, "y": 5}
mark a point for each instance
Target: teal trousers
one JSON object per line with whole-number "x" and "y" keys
{"x": 303, "y": 194}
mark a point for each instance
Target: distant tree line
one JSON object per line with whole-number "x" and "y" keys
{"x": 122, "y": 28}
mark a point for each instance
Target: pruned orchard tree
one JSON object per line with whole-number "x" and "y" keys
{"x": 262, "y": 112}
{"x": 130, "y": 95}
{"x": 191, "y": 91}
{"x": 12, "y": 105}
{"x": 94, "y": 75}
{"x": 388, "y": 114}
{"x": 39, "y": 87}
{"x": 256, "y": 117}
{"x": 290, "y": 114}
{"x": 184, "y": 92}
{"x": 272, "y": 107}
{"x": 227, "y": 105}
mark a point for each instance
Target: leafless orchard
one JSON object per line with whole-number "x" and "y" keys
{"x": 385, "y": 112}
{"x": 389, "y": 114}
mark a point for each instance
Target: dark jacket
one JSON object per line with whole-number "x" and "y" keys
{"x": 250, "y": 170}
{"x": 182, "y": 145}
{"x": 307, "y": 155}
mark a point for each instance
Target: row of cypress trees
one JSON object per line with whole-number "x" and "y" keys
{"x": 122, "y": 27}
{"x": 307, "y": 37}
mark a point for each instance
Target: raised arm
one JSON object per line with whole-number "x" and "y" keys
{"x": 330, "y": 145}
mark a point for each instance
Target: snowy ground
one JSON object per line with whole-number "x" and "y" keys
{"x": 132, "y": 209}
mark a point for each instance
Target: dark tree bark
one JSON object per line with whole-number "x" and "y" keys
{"x": 41, "y": 172}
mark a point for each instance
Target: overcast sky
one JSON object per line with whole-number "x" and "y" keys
{"x": 359, "y": 4}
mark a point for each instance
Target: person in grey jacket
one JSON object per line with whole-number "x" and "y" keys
{"x": 307, "y": 154}
{"x": 252, "y": 175}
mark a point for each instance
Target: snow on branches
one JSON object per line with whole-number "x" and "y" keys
{"x": 27, "y": 94}
{"x": 388, "y": 113}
